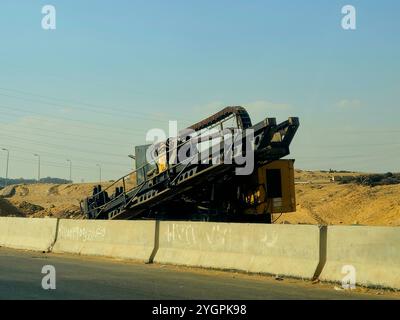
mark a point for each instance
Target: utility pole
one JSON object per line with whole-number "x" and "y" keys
{"x": 98, "y": 165}
{"x": 70, "y": 170}
{"x": 8, "y": 158}
{"x": 37, "y": 155}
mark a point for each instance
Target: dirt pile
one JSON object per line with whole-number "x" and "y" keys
{"x": 321, "y": 201}
{"x": 60, "y": 211}
{"x": 46, "y": 200}
{"x": 29, "y": 208}
{"x": 8, "y": 191}
{"x": 9, "y": 210}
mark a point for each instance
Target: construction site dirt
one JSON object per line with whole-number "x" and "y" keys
{"x": 319, "y": 201}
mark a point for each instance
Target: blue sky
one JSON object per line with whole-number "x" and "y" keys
{"x": 89, "y": 90}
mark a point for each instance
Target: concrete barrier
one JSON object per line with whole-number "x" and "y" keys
{"x": 27, "y": 233}
{"x": 374, "y": 252}
{"x": 302, "y": 251}
{"x": 116, "y": 239}
{"x": 272, "y": 249}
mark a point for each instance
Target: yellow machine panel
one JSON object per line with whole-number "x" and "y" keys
{"x": 275, "y": 191}
{"x": 162, "y": 161}
{"x": 278, "y": 177}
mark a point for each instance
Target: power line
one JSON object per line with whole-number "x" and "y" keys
{"x": 62, "y": 156}
{"x": 58, "y": 165}
{"x": 316, "y": 146}
{"x": 64, "y": 135}
{"x": 94, "y": 139}
{"x": 88, "y": 106}
{"x": 325, "y": 156}
{"x": 63, "y": 147}
{"x": 86, "y": 125}
{"x": 374, "y": 131}
{"x": 85, "y": 122}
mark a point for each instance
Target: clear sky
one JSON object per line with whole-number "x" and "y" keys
{"x": 89, "y": 90}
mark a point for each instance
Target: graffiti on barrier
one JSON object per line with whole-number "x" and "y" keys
{"x": 82, "y": 234}
{"x": 269, "y": 239}
{"x": 187, "y": 234}
{"x": 181, "y": 232}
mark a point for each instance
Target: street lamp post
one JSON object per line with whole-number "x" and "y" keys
{"x": 98, "y": 165}
{"x": 37, "y": 155}
{"x": 8, "y": 158}
{"x": 70, "y": 170}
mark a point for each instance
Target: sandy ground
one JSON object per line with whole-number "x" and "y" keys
{"x": 319, "y": 201}
{"x": 54, "y": 200}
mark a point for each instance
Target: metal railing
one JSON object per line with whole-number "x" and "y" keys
{"x": 154, "y": 161}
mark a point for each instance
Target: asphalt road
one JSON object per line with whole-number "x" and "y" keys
{"x": 91, "y": 278}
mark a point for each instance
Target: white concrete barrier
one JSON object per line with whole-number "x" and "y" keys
{"x": 116, "y": 239}
{"x": 369, "y": 254}
{"x": 273, "y": 249}
{"x": 27, "y": 233}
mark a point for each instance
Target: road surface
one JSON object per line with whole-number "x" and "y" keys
{"x": 94, "y": 278}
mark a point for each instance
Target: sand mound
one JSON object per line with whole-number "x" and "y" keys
{"x": 53, "y": 191}
{"x": 29, "y": 208}
{"x": 8, "y": 191}
{"x": 22, "y": 190}
{"x": 9, "y": 210}
{"x": 349, "y": 204}
{"x": 50, "y": 200}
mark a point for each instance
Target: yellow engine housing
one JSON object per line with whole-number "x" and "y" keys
{"x": 273, "y": 188}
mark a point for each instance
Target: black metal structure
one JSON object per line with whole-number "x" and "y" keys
{"x": 196, "y": 189}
